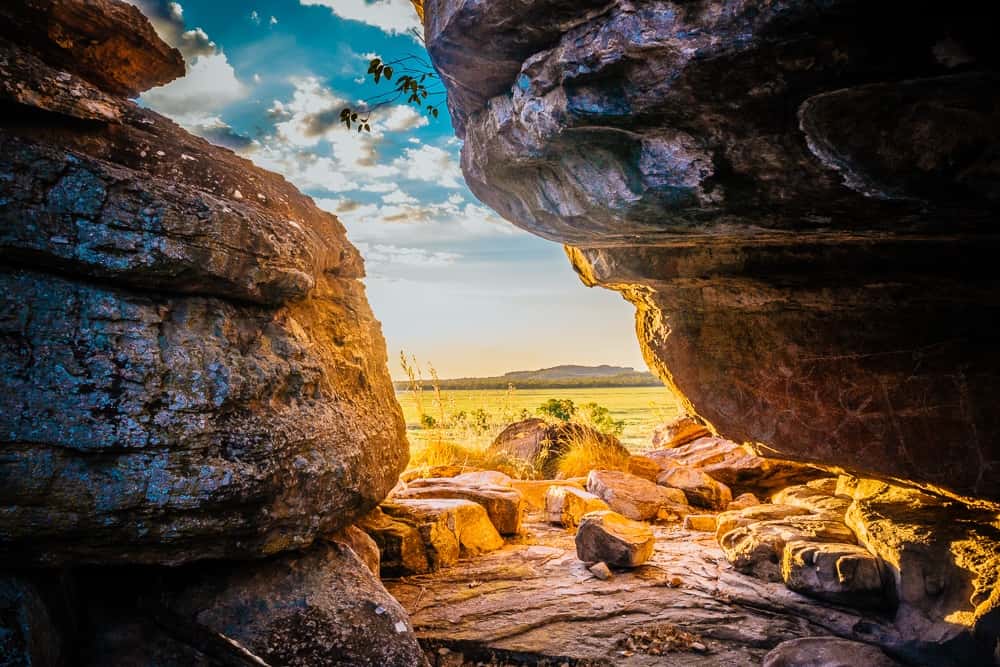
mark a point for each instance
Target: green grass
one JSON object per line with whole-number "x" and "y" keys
{"x": 641, "y": 408}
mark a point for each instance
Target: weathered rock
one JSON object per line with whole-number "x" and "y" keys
{"x": 814, "y": 498}
{"x": 109, "y": 43}
{"x": 827, "y": 652}
{"x": 944, "y": 561}
{"x": 643, "y": 466}
{"x": 679, "y": 432}
{"x": 800, "y": 210}
{"x": 705, "y": 523}
{"x": 601, "y": 571}
{"x": 435, "y": 472}
{"x": 533, "y": 491}
{"x": 29, "y": 635}
{"x": 842, "y": 573}
{"x": 637, "y": 498}
{"x": 736, "y": 466}
{"x": 362, "y": 544}
{"x": 542, "y": 444}
{"x": 321, "y": 606}
{"x": 448, "y": 527}
{"x": 609, "y": 537}
{"x": 698, "y": 487}
{"x": 486, "y": 477}
{"x": 400, "y": 545}
{"x": 731, "y": 519}
{"x": 504, "y": 505}
{"x": 189, "y": 365}
{"x": 566, "y": 505}
{"x": 757, "y": 548}
{"x": 743, "y": 501}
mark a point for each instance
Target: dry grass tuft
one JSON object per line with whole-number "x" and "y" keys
{"x": 585, "y": 453}
{"x": 439, "y": 452}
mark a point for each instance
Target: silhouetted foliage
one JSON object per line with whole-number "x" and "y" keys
{"x": 415, "y": 75}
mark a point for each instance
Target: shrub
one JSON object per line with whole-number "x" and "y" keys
{"x": 558, "y": 408}
{"x": 599, "y": 418}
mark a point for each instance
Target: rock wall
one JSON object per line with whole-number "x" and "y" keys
{"x": 189, "y": 370}
{"x": 798, "y": 197}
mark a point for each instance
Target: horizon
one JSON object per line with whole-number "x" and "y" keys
{"x": 451, "y": 282}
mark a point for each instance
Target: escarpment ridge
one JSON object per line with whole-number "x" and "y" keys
{"x": 799, "y": 199}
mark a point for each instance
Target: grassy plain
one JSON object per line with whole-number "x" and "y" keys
{"x": 641, "y": 408}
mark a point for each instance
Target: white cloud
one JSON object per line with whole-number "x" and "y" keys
{"x": 398, "y": 197}
{"x": 401, "y": 117}
{"x": 255, "y": 17}
{"x": 272, "y": 21}
{"x": 380, "y": 255}
{"x": 430, "y": 163}
{"x": 209, "y": 85}
{"x": 391, "y": 16}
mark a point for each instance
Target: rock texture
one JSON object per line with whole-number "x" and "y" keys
{"x": 608, "y": 537}
{"x": 827, "y": 652}
{"x": 637, "y": 498}
{"x": 542, "y": 444}
{"x": 798, "y": 198}
{"x": 189, "y": 365}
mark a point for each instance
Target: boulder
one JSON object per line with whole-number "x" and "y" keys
{"x": 533, "y": 491}
{"x": 757, "y": 548}
{"x": 449, "y": 527}
{"x": 814, "y": 498}
{"x": 841, "y": 573}
{"x": 503, "y": 505}
{"x": 705, "y": 523}
{"x": 108, "y": 43}
{"x": 942, "y": 557}
{"x": 638, "y": 498}
{"x": 795, "y": 208}
{"x": 731, "y": 519}
{"x": 362, "y": 544}
{"x": 736, "y": 465}
{"x": 643, "y": 466}
{"x": 608, "y": 537}
{"x": 435, "y": 472}
{"x": 566, "y": 505}
{"x": 827, "y": 652}
{"x": 542, "y": 444}
{"x": 207, "y": 379}
{"x": 321, "y": 606}
{"x": 679, "y": 432}
{"x": 743, "y": 501}
{"x": 400, "y": 545}
{"x": 483, "y": 478}
{"x": 699, "y": 488}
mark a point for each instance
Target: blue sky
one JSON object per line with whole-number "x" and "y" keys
{"x": 451, "y": 282}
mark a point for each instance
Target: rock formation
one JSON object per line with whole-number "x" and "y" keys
{"x": 189, "y": 370}
{"x": 798, "y": 198}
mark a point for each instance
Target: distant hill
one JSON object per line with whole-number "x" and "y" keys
{"x": 557, "y": 377}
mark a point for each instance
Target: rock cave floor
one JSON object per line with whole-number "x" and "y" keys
{"x": 534, "y": 602}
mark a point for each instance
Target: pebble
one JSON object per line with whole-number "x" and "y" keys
{"x": 601, "y": 571}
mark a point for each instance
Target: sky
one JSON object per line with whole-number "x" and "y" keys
{"x": 452, "y": 283}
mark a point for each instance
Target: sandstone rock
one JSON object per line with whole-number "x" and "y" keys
{"x": 609, "y": 537}
{"x": 362, "y": 544}
{"x": 503, "y": 505}
{"x": 730, "y": 167}
{"x": 435, "y": 472}
{"x": 533, "y": 491}
{"x": 321, "y": 606}
{"x": 108, "y": 43}
{"x": 637, "y": 498}
{"x": 736, "y": 466}
{"x": 483, "y": 477}
{"x": 542, "y": 444}
{"x": 943, "y": 558}
{"x": 28, "y": 634}
{"x": 731, "y": 519}
{"x": 813, "y": 498}
{"x": 699, "y": 488}
{"x": 448, "y": 527}
{"x": 679, "y": 432}
{"x": 743, "y": 501}
{"x": 566, "y": 505}
{"x": 601, "y": 571}
{"x": 643, "y": 466}
{"x": 705, "y": 523}
{"x": 842, "y": 573}
{"x": 827, "y": 652}
{"x": 757, "y": 548}
{"x": 400, "y": 545}
{"x": 207, "y": 380}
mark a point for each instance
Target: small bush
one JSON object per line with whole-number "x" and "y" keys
{"x": 558, "y": 408}
{"x": 599, "y": 418}
{"x": 585, "y": 453}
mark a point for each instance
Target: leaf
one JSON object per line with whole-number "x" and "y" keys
{"x": 435, "y": 112}
{"x": 387, "y": 72}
